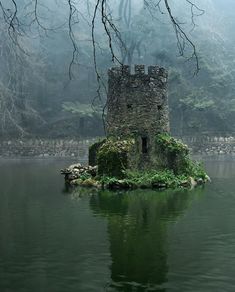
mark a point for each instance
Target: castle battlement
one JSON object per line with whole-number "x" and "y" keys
{"x": 138, "y": 70}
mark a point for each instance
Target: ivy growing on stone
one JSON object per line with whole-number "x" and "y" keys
{"x": 170, "y": 144}
{"x": 112, "y": 157}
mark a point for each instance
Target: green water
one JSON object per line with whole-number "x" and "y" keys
{"x": 55, "y": 240}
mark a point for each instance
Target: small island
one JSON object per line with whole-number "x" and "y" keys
{"x": 139, "y": 151}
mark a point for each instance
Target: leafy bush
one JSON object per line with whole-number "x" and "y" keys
{"x": 195, "y": 170}
{"x": 84, "y": 176}
{"x": 163, "y": 178}
{"x": 113, "y": 172}
{"x": 170, "y": 144}
{"x": 147, "y": 179}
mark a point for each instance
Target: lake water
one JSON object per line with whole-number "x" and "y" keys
{"x": 53, "y": 239}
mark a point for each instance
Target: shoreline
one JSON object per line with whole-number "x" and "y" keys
{"x": 77, "y": 149}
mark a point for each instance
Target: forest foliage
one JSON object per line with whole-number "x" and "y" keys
{"x": 37, "y": 97}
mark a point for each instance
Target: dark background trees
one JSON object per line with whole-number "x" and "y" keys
{"x": 48, "y": 79}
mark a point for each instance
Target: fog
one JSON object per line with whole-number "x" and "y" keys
{"x": 52, "y": 53}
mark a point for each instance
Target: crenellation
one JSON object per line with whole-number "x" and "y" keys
{"x": 140, "y": 69}
{"x": 163, "y": 72}
{"x": 125, "y": 70}
{"x": 153, "y": 71}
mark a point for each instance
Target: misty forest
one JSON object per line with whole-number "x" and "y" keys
{"x": 117, "y": 145}
{"x": 49, "y": 76}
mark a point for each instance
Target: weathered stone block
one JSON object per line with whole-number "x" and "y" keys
{"x": 138, "y": 107}
{"x": 139, "y": 69}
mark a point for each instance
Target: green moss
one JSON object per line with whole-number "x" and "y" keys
{"x": 93, "y": 150}
{"x": 163, "y": 178}
{"x": 195, "y": 169}
{"x": 177, "y": 169}
{"x": 89, "y": 182}
{"x": 177, "y": 155}
{"x": 112, "y": 157}
{"x": 115, "y": 183}
{"x": 84, "y": 176}
{"x": 171, "y": 145}
{"x": 148, "y": 179}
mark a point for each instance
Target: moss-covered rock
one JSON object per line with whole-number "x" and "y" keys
{"x": 90, "y": 182}
{"x": 172, "y": 145}
{"x": 93, "y": 150}
{"x": 173, "y": 169}
{"x": 112, "y": 157}
{"x": 173, "y": 154}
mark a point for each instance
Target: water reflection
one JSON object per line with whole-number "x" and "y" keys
{"x": 120, "y": 241}
{"x": 137, "y": 228}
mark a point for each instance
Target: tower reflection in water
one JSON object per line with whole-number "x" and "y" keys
{"x": 137, "y": 226}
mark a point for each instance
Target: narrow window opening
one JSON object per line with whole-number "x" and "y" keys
{"x": 144, "y": 145}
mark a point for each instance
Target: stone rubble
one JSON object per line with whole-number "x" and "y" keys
{"x": 75, "y": 171}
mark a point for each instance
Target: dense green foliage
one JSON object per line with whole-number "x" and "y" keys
{"x": 148, "y": 179}
{"x": 114, "y": 170}
{"x": 177, "y": 155}
{"x": 171, "y": 145}
{"x": 112, "y": 157}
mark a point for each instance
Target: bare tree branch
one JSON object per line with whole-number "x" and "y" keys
{"x": 72, "y": 21}
{"x": 182, "y": 38}
{"x": 19, "y": 25}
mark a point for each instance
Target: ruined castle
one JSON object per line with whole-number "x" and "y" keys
{"x": 138, "y": 150}
{"x": 137, "y": 106}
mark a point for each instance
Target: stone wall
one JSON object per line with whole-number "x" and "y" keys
{"x": 137, "y": 103}
{"x": 137, "y": 107}
{"x": 210, "y": 145}
{"x": 46, "y": 148}
{"x": 79, "y": 149}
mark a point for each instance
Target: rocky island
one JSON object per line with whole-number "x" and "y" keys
{"x": 138, "y": 151}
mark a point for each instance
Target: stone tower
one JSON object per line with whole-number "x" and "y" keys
{"x": 137, "y": 106}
